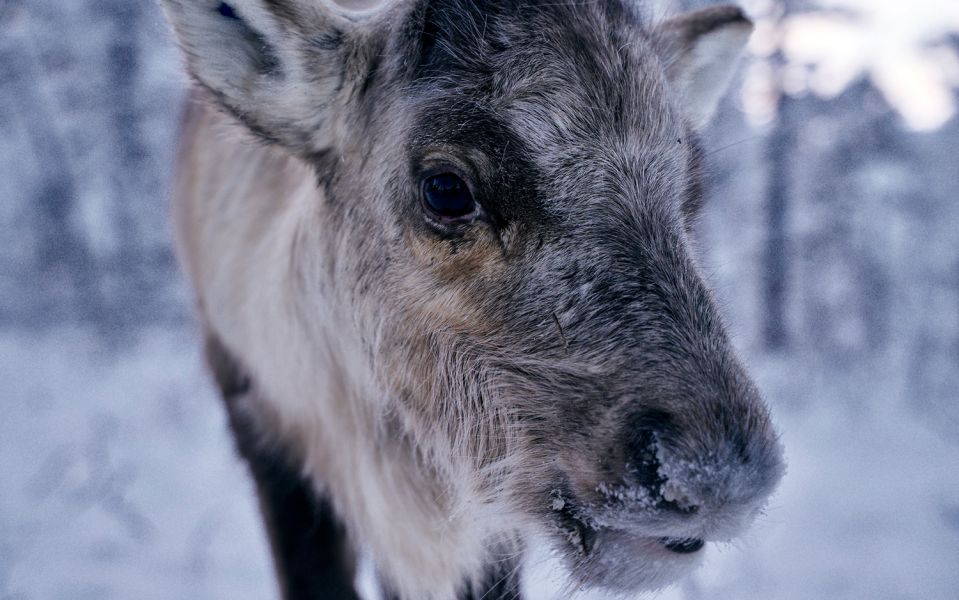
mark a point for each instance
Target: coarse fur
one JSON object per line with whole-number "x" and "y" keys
{"x": 550, "y": 367}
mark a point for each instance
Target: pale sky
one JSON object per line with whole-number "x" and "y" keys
{"x": 899, "y": 45}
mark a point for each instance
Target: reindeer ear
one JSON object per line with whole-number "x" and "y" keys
{"x": 273, "y": 64}
{"x": 701, "y": 49}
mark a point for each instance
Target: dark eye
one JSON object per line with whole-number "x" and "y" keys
{"x": 447, "y": 195}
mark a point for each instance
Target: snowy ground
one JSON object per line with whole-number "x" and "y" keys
{"x": 118, "y": 474}
{"x": 119, "y": 482}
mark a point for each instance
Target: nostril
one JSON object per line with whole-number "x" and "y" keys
{"x": 644, "y": 463}
{"x": 644, "y": 433}
{"x": 676, "y": 507}
{"x": 645, "y": 469}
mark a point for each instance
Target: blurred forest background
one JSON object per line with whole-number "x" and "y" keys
{"x": 831, "y": 237}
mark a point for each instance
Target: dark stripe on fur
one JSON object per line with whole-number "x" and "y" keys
{"x": 500, "y": 583}
{"x": 311, "y": 552}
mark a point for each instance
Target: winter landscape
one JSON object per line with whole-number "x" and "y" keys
{"x": 831, "y": 238}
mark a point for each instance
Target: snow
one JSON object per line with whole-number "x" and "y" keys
{"x": 119, "y": 479}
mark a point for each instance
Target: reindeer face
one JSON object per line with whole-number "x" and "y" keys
{"x": 506, "y": 197}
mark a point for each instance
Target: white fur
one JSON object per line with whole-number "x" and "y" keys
{"x": 424, "y": 533}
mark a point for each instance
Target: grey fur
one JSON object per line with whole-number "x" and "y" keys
{"x": 554, "y": 368}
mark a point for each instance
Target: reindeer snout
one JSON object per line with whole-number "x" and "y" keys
{"x": 699, "y": 480}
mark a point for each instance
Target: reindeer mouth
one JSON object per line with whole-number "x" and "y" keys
{"x": 619, "y": 559}
{"x": 682, "y": 545}
{"x": 584, "y": 536}
{"x": 579, "y": 534}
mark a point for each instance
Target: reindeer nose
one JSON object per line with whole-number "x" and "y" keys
{"x": 688, "y": 470}
{"x": 643, "y": 461}
{"x": 644, "y": 467}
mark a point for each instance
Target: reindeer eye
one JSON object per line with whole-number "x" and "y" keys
{"x": 227, "y": 11}
{"x": 447, "y": 196}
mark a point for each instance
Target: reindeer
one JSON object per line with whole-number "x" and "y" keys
{"x": 441, "y": 253}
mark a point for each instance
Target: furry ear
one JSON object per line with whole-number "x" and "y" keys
{"x": 276, "y": 65}
{"x": 701, "y": 49}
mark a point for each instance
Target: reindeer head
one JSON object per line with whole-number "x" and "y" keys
{"x": 505, "y": 192}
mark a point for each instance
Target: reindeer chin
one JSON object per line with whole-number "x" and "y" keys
{"x": 619, "y": 562}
